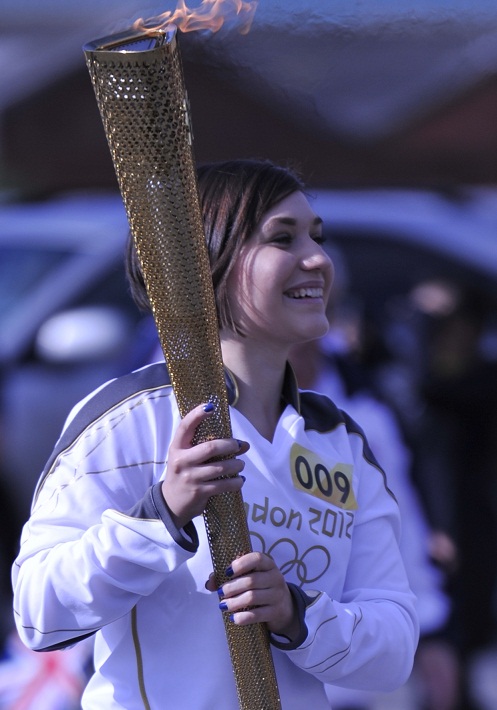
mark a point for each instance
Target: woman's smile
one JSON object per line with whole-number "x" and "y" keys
{"x": 306, "y": 293}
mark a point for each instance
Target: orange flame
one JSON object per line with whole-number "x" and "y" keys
{"x": 210, "y": 15}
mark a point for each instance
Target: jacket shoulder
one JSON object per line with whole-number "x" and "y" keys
{"x": 111, "y": 395}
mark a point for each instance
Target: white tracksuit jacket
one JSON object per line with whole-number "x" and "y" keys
{"x": 100, "y": 555}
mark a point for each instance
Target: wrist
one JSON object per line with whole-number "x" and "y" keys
{"x": 295, "y": 633}
{"x": 189, "y": 541}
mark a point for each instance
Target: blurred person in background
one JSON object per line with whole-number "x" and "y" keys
{"x": 455, "y": 451}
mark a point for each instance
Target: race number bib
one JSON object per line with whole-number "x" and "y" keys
{"x": 311, "y": 475}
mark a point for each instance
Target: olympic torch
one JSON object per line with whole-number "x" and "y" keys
{"x": 139, "y": 86}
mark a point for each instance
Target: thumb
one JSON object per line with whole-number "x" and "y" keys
{"x": 211, "y": 583}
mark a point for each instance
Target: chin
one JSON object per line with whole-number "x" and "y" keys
{"x": 319, "y": 330}
{"x": 311, "y": 335}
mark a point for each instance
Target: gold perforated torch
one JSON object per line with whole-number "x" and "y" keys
{"x": 139, "y": 86}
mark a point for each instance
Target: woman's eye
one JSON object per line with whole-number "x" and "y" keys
{"x": 319, "y": 238}
{"x": 283, "y": 238}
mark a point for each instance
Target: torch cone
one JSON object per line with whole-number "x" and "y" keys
{"x": 139, "y": 86}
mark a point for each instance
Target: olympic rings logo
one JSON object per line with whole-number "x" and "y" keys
{"x": 306, "y": 568}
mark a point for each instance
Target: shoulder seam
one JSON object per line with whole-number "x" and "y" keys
{"x": 109, "y": 397}
{"x": 321, "y": 414}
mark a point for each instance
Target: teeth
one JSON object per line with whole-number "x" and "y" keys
{"x": 306, "y": 293}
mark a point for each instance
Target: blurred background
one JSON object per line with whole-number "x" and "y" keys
{"x": 371, "y": 92}
{"x": 388, "y": 108}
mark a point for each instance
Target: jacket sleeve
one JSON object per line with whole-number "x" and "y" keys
{"x": 365, "y": 639}
{"x": 99, "y": 537}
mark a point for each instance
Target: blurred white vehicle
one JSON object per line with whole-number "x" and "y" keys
{"x": 67, "y": 323}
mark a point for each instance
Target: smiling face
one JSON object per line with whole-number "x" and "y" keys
{"x": 279, "y": 286}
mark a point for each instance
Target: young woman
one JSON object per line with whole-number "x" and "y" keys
{"x": 116, "y": 544}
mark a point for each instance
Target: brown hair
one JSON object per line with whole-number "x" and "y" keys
{"x": 234, "y": 196}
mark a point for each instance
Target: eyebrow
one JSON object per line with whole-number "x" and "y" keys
{"x": 292, "y": 222}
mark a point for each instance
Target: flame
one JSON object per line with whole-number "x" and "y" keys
{"x": 210, "y": 15}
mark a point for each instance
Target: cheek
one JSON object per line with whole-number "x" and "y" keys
{"x": 330, "y": 278}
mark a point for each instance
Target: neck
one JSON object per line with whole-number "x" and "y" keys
{"x": 259, "y": 375}
{"x": 307, "y": 361}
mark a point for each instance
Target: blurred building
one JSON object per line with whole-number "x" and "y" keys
{"x": 378, "y": 93}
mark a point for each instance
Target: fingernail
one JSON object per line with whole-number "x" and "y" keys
{"x": 232, "y": 617}
{"x": 223, "y": 606}
{"x": 208, "y": 407}
{"x": 220, "y": 592}
{"x": 243, "y": 478}
{"x": 229, "y": 571}
{"x": 240, "y": 444}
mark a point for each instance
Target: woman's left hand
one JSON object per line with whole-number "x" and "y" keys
{"x": 257, "y": 592}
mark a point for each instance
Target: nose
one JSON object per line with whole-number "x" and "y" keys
{"x": 315, "y": 257}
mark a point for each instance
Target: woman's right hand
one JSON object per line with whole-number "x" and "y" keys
{"x": 192, "y": 477}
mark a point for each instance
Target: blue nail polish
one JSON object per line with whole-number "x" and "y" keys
{"x": 229, "y": 571}
{"x": 223, "y": 606}
{"x": 220, "y": 592}
{"x": 208, "y": 407}
{"x": 239, "y": 444}
{"x": 232, "y": 618}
